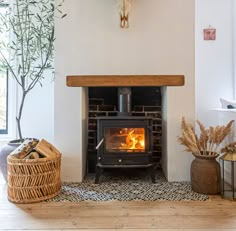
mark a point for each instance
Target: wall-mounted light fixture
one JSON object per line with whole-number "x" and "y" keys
{"x": 124, "y": 7}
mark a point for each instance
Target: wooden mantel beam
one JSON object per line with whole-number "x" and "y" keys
{"x": 124, "y": 80}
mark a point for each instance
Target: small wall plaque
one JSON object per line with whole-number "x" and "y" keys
{"x": 209, "y": 34}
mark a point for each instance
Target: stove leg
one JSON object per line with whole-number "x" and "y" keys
{"x": 152, "y": 174}
{"x": 98, "y": 174}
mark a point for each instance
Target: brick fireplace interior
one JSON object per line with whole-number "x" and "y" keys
{"x": 103, "y": 102}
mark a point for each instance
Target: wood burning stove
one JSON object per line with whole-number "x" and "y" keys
{"x": 124, "y": 141}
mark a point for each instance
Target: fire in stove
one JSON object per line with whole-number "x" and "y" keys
{"x": 125, "y": 140}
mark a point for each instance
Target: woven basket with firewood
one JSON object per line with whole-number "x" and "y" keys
{"x": 34, "y": 172}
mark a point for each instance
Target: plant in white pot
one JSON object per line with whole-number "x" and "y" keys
{"x": 30, "y": 24}
{"x": 205, "y": 147}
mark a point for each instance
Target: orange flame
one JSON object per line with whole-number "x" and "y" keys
{"x": 134, "y": 139}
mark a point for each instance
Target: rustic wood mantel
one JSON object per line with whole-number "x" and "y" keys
{"x": 124, "y": 80}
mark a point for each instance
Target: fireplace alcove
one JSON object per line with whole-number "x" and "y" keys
{"x": 127, "y": 135}
{"x": 102, "y": 102}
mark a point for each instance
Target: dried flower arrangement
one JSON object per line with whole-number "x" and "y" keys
{"x": 229, "y": 148}
{"x": 209, "y": 140}
{"x": 229, "y": 152}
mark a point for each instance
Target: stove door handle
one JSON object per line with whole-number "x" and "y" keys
{"x": 99, "y": 144}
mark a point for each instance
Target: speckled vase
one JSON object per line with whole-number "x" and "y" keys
{"x": 4, "y": 152}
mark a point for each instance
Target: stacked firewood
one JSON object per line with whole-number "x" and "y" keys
{"x": 35, "y": 149}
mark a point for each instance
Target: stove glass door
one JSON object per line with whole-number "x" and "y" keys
{"x": 130, "y": 140}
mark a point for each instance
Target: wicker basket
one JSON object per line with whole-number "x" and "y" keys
{"x": 33, "y": 180}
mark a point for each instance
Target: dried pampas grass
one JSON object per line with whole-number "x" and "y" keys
{"x": 209, "y": 140}
{"x": 229, "y": 148}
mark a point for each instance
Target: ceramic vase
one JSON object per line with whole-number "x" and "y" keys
{"x": 4, "y": 152}
{"x": 205, "y": 174}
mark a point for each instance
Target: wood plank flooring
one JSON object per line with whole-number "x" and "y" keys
{"x": 214, "y": 214}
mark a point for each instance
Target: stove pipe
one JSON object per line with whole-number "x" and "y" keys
{"x": 124, "y": 101}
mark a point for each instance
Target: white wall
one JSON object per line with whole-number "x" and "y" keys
{"x": 214, "y": 63}
{"x": 234, "y": 47}
{"x": 160, "y": 40}
{"x": 38, "y": 111}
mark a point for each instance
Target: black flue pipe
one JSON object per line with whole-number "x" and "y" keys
{"x": 124, "y": 101}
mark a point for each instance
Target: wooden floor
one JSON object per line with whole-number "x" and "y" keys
{"x": 214, "y": 214}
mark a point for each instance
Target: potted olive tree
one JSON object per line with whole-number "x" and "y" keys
{"x": 30, "y": 24}
{"x": 205, "y": 147}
